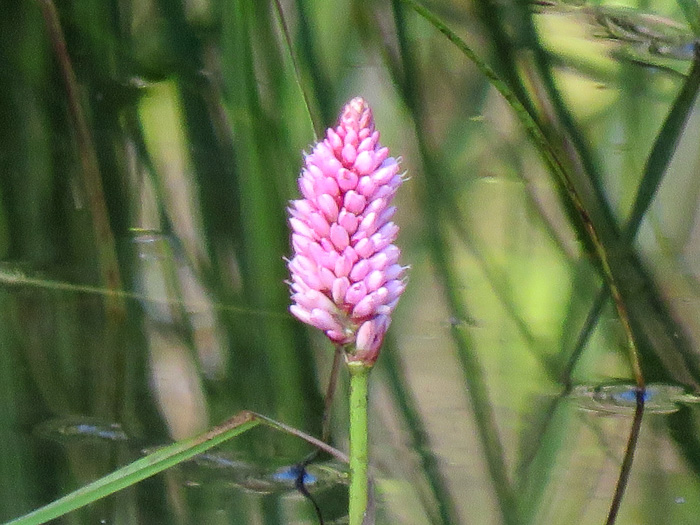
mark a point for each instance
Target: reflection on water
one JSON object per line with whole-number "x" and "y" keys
{"x": 622, "y": 398}
{"x": 72, "y": 430}
{"x": 220, "y": 468}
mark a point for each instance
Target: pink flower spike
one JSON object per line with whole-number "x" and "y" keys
{"x": 345, "y": 275}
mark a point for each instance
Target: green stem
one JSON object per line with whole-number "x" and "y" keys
{"x": 359, "y": 459}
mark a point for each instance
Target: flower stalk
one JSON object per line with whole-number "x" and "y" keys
{"x": 359, "y": 450}
{"x": 345, "y": 274}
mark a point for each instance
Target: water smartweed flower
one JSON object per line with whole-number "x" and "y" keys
{"x": 346, "y": 278}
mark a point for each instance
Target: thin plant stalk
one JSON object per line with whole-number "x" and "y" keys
{"x": 359, "y": 456}
{"x": 629, "y": 457}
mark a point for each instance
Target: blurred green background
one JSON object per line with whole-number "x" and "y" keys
{"x": 148, "y": 150}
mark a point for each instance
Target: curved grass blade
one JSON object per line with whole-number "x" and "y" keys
{"x": 656, "y": 167}
{"x": 159, "y": 461}
{"x": 559, "y": 123}
{"x": 493, "y": 15}
{"x": 263, "y": 231}
{"x": 321, "y": 84}
{"x": 14, "y": 277}
{"x": 529, "y": 123}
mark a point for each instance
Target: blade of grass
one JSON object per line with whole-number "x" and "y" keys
{"x": 551, "y": 159}
{"x": 655, "y": 169}
{"x": 494, "y": 17}
{"x": 626, "y": 467}
{"x": 320, "y": 83}
{"x": 264, "y": 231}
{"x": 16, "y": 463}
{"x": 559, "y": 125}
{"x": 13, "y": 277}
{"x": 656, "y": 166}
{"x": 628, "y": 274}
